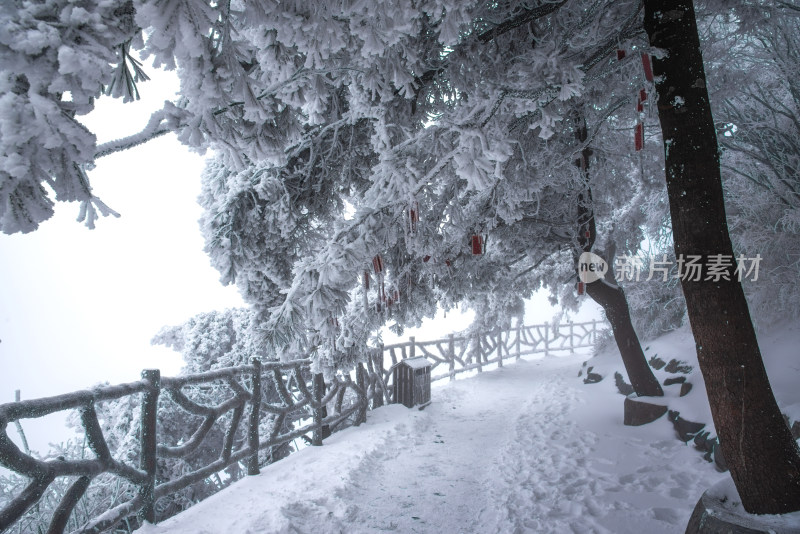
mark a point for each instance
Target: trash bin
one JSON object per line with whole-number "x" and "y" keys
{"x": 412, "y": 382}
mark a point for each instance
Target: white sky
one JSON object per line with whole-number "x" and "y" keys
{"x": 79, "y": 306}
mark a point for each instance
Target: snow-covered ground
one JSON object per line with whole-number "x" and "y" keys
{"x": 526, "y": 448}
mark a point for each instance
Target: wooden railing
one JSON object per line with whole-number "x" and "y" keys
{"x": 254, "y": 417}
{"x": 457, "y": 354}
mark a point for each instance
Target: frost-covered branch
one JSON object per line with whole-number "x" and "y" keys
{"x": 161, "y": 122}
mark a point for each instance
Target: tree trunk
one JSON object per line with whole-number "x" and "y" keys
{"x": 615, "y": 305}
{"x": 610, "y": 296}
{"x": 762, "y": 455}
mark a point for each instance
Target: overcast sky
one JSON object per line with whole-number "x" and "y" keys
{"x": 79, "y": 306}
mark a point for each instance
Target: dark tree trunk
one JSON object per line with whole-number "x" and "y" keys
{"x": 615, "y": 305}
{"x": 610, "y": 296}
{"x": 762, "y": 455}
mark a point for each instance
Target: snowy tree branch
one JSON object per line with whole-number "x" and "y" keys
{"x": 156, "y": 127}
{"x": 528, "y": 15}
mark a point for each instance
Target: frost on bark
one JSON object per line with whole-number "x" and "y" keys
{"x": 762, "y": 455}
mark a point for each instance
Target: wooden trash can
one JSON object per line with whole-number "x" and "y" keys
{"x": 412, "y": 382}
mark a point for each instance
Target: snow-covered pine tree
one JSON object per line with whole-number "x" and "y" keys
{"x": 56, "y": 58}
{"x": 436, "y": 97}
{"x": 451, "y": 147}
{"x": 760, "y": 143}
{"x": 209, "y": 341}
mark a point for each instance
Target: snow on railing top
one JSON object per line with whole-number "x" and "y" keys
{"x": 229, "y": 419}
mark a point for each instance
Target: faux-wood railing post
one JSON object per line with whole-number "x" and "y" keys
{"x": 451, "y": 355}
{"x": 571, "y": 339}
{"x": 479, "y": 352}
{"x": 255, "y": 416}
{"x": 519, "y": 340}
{"x": 361, "y": 382}
{"x": 149, "y": 442}
{"x": 319, "y": 393}
{"x": 386, "y": 391}
{"x": 377, "y": 394}
{"x": 545, "y": 339}
{"x": 412, "y": 350}
{"x": 499, "y": 348}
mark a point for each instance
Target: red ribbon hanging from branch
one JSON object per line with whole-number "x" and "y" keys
{"x": 648, "y": 70}
{"x": 639, "y": 136}
{"x": 477, "y": 244}
{"x": 413, "y": 216}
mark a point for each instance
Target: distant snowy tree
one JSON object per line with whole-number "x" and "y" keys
{"x": 216, "y": 340}
{"x": 760, "y": 140}
{"x": 212, "y": 340}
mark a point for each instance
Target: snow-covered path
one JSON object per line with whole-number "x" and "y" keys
{"x": 525, "y": 448}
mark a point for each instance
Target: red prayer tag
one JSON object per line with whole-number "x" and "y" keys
{"x": 648, "y": 70}
{"x": 377, "y": 264}
{"x": 477, "y": 244}
{"x": 639, "y": 137}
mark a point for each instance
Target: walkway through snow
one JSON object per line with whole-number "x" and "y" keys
{"x": 525, "y": 448}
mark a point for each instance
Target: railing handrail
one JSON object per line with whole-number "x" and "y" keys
{"x": 461, "y": 336}
{"x": 35, "y": 408}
